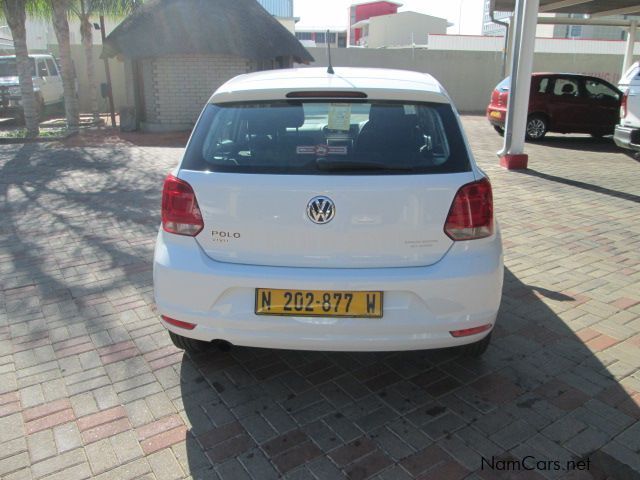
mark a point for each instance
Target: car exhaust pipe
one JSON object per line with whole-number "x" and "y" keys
{"x": 222, "y": 345}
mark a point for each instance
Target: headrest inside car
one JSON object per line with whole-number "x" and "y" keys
{"x": 386, "y": 114}
{"x": 273, "y": 118}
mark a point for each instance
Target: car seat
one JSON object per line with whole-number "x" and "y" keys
{"x": 389, "y": 132}
{"x": 568, "y": 89}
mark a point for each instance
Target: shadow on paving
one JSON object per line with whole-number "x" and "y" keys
{"x": 538, "y": 393}
{"x": 580, "y": 143}
{"x": 81, "y": 222}
{"x": 586, "y": 186}
{"x": 59, "y": 209}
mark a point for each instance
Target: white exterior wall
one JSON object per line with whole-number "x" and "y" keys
{"x": 40, "y": 33}
{"x": 178, "y": 87}
{"x": 468, "y": 76}
{"x": 543, "y": 45}
{"x": 403, "y": 29}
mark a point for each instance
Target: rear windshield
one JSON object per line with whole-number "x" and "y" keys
{"x": 630, "y": 74}
{"x": 8, "y": 67}
{"x": 310, "y": 137}
{"x": 504, "y": 84}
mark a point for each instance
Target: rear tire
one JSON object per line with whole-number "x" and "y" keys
{"x": 537, "y": 127}
{"x": 190, "y": 345}
{"x": 476, "y": 349}
{"x": 498, "y": 129}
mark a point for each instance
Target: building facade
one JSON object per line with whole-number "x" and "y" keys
{"x": 278, "y": 8}
{"x": 593, "y": 32}
{"x": 318, "y": 37}
{"x": 399, "y": 30}
{"x": 363, "y": 11}
{"x": 488, "y": 27}
{"x": 282, "y": 10}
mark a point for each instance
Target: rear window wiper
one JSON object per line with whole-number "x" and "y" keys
{"x": 334, "y": 165}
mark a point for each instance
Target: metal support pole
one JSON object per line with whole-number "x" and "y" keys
{"x": 525, "y": 21}
{"x": 107, "y": 71}
{"x": 508, "y": 47}
{"x": 631, "y": 41}
{"x": 515, "y": 33}
{"x": 505, "y": 49}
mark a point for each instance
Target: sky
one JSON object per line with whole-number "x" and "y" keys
{"x": 333, "y": 13}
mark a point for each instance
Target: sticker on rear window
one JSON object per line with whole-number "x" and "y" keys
{"x": 339, "y": 116}
{"x": 321, "y": 150}
{"x": 409, "y": 109}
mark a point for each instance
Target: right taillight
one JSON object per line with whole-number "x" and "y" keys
{"x": 471, "y": 213}
{"x": 180, "y": 212}
{"x": 623, "y": 105}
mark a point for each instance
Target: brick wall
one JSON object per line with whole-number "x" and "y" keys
{"x": 177, "y": 87}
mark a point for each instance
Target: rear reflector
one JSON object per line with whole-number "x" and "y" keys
{"x": 328, "y": 94}
{"x": 178, "y": 323}
{"x": 471, "y": 213}
{"x": 623, "y": 104}
{"x": 180, "y": 212}
{"x": 470, "y": 331}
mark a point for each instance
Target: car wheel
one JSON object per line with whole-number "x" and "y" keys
{"x": 188, "y": 344}
{"x": 498, "y": 129}
{"x": 536, "y": 128}
{"x": 476, "y": 349}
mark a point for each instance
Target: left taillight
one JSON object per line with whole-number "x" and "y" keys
{"x": 471, "y": 213}
{"x": 180, "y": 212}
{"x": 623, "y": 104}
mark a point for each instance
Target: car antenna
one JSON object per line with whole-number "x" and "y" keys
{"x": 330, "y": 67}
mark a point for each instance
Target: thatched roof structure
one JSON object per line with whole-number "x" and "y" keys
{"x": 232, "y": 27}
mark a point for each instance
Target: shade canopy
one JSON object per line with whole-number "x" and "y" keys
{"x": 591, "y": 7}
{"x": 181, "y": 27}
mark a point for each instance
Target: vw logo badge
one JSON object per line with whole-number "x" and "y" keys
{"x": 321, "y": 210}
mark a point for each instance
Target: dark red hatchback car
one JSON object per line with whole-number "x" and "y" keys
{"x": 563, "y": 103}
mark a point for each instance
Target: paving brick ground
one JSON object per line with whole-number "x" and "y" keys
{"x": 91, "y": 387}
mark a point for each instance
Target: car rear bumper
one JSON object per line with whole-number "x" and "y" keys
{"x": 496, "y": 116}
{"x": 422, "y": 305}
{"x": 627, "y": 137}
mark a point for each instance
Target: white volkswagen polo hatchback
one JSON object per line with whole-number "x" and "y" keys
{"x": 320, "y": 211}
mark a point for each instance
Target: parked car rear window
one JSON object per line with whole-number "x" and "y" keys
{"x": 311, "y": 137}
{"x": 544, "y": 83}
{"x": 566, "y": 87}
{"x": 630, "y": 74}
{"x": 504, "y": 85}
{"x": 8, "y": 67}
{"x": 599, "y": 90}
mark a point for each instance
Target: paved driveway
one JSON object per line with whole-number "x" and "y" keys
{"x": 91, "y": 387}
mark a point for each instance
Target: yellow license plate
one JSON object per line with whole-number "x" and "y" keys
{"x": 495, "y": 114}
{"x": 318, "y": 303}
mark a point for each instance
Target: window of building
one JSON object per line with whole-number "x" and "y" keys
{"x": 304, "y": 35}
{"x": 320, "y": 37}
{"x": 575, "y": 31}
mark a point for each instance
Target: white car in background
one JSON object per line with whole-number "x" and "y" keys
{"x": 47, "y": 84}
{"x": 321, "y": 211}
{"x": 627, "y": 132}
